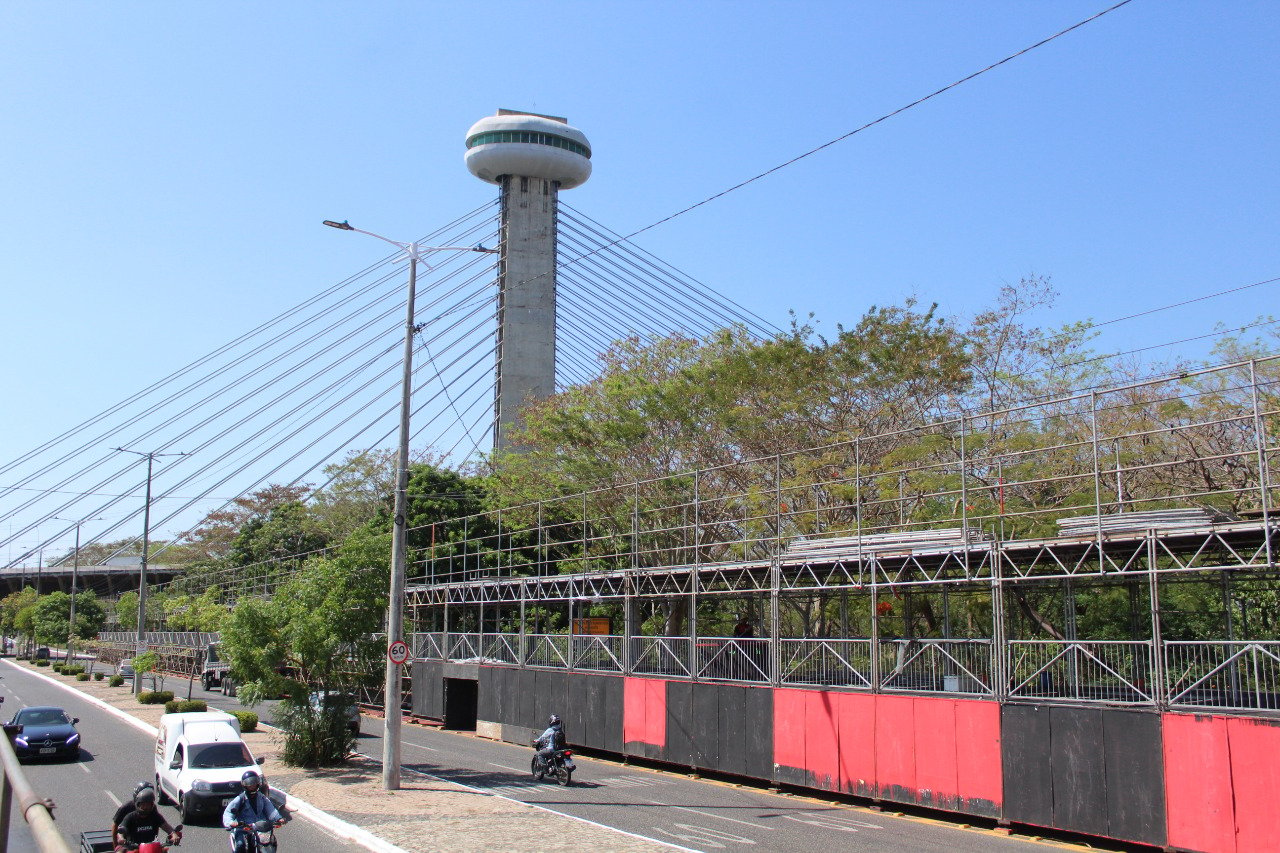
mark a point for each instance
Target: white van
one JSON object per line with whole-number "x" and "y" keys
{"x": 200, "y": 757}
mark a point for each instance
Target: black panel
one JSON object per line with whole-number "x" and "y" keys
{"x": 488, "y": 687}
{"x": 706, "y": 725}
{"x": 427, "y": 689}
{"x": 576, "y": 711}
{"x": 1079, "y": 773}
{"x": 679, "y": 723}
{"x": 554, "y": 698}
{"x": 755, "y": 733}
{"x": 1025, "y": 740}
{"x": 502, "y": 703}
{"x": 1135, "y": 776}
{"x": 613, "y": 710}
{"x": 524, "y": 699}
{"x": 732, "y": 732}
{"x": 460, "y": 704}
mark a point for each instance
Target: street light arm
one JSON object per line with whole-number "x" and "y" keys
{"x": 413, "y": 250}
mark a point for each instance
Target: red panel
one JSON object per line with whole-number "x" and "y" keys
{"x": 979, "y": 773}
{"x": 656, "y": 711}
{"x": 1255, "y": 779}
{"x": 858, "y": 743}
{"x": 1197, "y": 774}
{"x": 895, "y": 744}
{"x": 644, "y": 711}
{"x": 936, "y": 751}
{"x": 822, "y": 739}
{"x": 634, "y": 723}
{"x": 788, "y": 727}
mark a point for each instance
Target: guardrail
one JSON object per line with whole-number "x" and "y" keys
{"x": 36, "y": 811}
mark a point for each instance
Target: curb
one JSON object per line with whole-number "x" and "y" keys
{"x": 337, "y": 826}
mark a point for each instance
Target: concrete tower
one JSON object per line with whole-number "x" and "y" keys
{"x": 531, "y": 157}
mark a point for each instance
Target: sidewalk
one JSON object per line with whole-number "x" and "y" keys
{"x": 427, "y": 815}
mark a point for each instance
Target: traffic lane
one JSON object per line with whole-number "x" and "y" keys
{"x": 115, "y": 758}
{"x": 699, "y": 814}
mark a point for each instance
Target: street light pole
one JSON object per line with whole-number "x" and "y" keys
{"x": 142, "y": 567}
{"x": 392, "y": 688}
{"x": 75, "y": 577}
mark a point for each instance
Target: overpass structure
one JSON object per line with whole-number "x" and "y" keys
{"x": 109, "y": 580}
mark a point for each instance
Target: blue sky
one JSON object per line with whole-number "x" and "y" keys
{"x": 165, "y": 166}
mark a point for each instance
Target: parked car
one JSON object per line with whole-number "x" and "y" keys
{"x": 125, "y": 669}
{"x": 47, "y": 732}
{"x": 334, "y": 699}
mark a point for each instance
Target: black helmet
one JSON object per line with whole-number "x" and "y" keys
{"x": 144, "y": 795}
{"x": 250, "y": 778}
{"x": 553, "y": 720}
{"x": 137, "y": 789}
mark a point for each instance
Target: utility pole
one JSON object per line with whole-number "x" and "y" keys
{"x": 391, "y": 690}
{"x": 142, "y": 567}
{"x": 75, "y": 576}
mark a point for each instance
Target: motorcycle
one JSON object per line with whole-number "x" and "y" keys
{"x": 559, "y": 766}
{"x": 259, "y": 837}
{"x": 99, "y": 841}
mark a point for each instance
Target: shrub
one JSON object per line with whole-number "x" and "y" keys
{"x": 116, "y": 680}
{"x": 97, "y": 676}
{"x": 82, "y": 676}
{"x": 155, "y": 697}
{"x": 182, "y": 706}
{"x": 42, "y": 663}
{"x": 248, "y": 720}
{"x": 314, "y": 737}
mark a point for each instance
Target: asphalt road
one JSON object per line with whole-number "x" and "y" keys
{"x": 114, "y": 758}
{"x": 693, "y": 813}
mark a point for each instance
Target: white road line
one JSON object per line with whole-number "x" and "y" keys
{"x": 505, "y": 767}
{"x": 113, "y": 798}
{"x": 713, "y": 814}
{"x": 421, "y": 746}
{"x": 86, "y": 769}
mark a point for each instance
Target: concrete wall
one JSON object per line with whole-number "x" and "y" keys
{"x": 526, "y": 298}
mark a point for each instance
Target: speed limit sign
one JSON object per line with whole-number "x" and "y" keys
{"x": 398, "y": 652}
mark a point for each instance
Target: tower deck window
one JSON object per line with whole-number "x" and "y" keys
{"x": 551, "y": 140}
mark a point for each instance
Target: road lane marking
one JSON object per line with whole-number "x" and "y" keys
{"x": 86, "y": 769}
{"x": 705, "y": 835}
{"x": 713, "y": 814}
{"x": 421, "y": 746}
{"x": 113, "y": 798}
{"x": 505, "y": 767}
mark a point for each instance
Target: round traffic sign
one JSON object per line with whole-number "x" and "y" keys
{"x": 398, "y": 652}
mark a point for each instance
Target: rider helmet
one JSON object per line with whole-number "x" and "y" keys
{"x": 144, "y": 795}
{"x": 137, "y": 789}
{"x": 250, "y": 780}
{"x": 553, "y": 720}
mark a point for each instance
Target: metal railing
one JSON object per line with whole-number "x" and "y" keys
{"x": 36, "y": 811}
{"x": 660, "y": 656}
{"x": 598, "y": 652}
{"x": 1090, "y": 671}
{"x": 730, "y": 659}
{"x": 1223, "y": 674}
{"x": 826, "y": 663}
{"x": 948, "y": 666}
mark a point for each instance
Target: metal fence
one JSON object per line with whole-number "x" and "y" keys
{"x": 1223, "y": 674}
{"x": 35, "y": 810}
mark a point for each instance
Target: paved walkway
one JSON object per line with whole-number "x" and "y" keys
{"x": 425, "y": 816}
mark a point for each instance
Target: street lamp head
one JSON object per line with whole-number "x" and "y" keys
{"x": 344, "y": 225}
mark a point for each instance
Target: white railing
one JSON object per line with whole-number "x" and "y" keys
{"x": 826, "y": 663}
{"x": 550, "y": 650}
{"x": 1090, "y": 671}
{"x": 660, "y": 656}
{"x": 1219, "y": 674}
{"x": 464, "y": 646}
{"x": 503, "y": 648}
{"x": 428, "y": 645}
{"x": 948, "y": 666}
{"x": 600, "y": 652}
{"x": 733, "y": 659}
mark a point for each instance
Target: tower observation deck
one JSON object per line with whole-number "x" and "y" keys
{"x": 531, "y": 158}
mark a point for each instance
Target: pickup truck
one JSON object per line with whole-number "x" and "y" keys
{"x": 199, "y": 758}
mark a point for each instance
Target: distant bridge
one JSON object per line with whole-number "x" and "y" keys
{"x": 103, "y": 580}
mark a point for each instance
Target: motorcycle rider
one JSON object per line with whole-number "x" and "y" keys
{"x": 550, "y": 740}
{"x": 143, "y": 823}
{"x": 125, "y": 808}
{"x": 247, "y": 808}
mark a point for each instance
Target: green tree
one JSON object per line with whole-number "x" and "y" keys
{"x": 314, "y": 634}
{"x": 51, "y": 619}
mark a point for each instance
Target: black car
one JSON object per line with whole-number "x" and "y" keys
{"x": 47, "y": 732}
